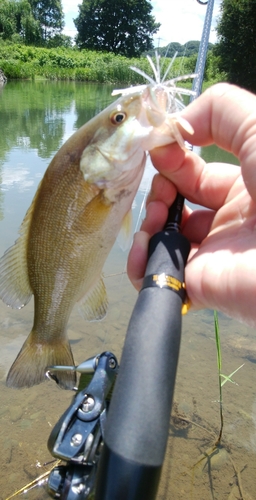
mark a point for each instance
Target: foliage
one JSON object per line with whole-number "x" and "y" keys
{"x": 212, "y": 71}
{"x": 60, "y": 40}
{"x": 33, "y": 22}
{"x": 50, "y": 16}
{"x": 17, "y": 21}
{"x": 21, "y": 61}
{"x": 188, "y": 49}
{"x": 125, "y": 27}
{"x": 237, "y": 42}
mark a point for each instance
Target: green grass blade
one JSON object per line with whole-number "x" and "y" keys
{"x": 217, "y": 337}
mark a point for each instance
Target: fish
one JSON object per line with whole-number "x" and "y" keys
{"x": 81, "y": 204}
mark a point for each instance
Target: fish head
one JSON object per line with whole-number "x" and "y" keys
{"x": 123, "y": 132}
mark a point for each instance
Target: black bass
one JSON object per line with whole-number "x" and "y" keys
{"x": 81, "y": 203}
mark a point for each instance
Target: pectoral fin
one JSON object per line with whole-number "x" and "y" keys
{"x": 125, "y": 234}
{"x": 94, "y": 305}
{"x": 15, "y": 289}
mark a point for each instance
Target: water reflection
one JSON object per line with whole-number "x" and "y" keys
{"x": 35, "y": 119}
{"x": 42, "y": 111}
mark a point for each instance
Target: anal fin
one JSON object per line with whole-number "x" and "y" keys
{"x": 94, "y": 305}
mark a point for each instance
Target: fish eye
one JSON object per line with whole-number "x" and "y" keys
{"x": 118, "y": 117}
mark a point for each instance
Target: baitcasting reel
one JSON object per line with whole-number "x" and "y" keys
{"x": 78, "y": 436}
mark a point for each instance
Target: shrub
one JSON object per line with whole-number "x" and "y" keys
{"x": 21, "y": 61}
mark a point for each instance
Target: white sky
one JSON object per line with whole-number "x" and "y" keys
{"x": 181, "y": 20}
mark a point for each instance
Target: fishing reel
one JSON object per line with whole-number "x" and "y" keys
{"x": 78, "y": 436}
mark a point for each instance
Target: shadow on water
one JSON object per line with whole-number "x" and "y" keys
{"x": 35, "y": 119}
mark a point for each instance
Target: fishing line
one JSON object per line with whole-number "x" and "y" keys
{"x": 123, "y": 274}
{"x": 157, "y": 73}
{"x": 157, "y": 70}
{"x": 144, "y": 198}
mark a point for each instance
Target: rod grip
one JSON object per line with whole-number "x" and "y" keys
{"x": 138, "y": 419}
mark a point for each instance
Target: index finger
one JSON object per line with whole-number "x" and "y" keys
{"x": 224, "y": 115}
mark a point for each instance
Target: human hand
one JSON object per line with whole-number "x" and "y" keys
{"x": 221, "y": 270}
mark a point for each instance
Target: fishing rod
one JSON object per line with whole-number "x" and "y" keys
{"x": 120, "y": 447}
{"x": 115, "y": 451}
{"x": 138, "y": 419}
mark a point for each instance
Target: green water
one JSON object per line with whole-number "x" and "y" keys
{"x": 35, "y": 120}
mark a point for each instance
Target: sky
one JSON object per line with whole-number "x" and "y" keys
{"x": 181, "y": 20}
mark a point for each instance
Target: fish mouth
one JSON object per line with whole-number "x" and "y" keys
{"x": 103, "y": 166}
{"x": 119, "y": 171}
{"x": 155, "y": 104}
{"x": 123, "y": 184}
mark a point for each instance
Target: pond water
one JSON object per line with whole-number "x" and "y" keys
{"x": 35, "y": 119}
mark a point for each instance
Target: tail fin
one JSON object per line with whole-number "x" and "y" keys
{"x": 30, "y": 365}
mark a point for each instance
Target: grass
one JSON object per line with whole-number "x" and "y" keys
{"x": 23, "y": 62}
{"x": 221, "y": 377}
{"x": 204, "y": 461}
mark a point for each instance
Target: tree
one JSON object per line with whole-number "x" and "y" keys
{"x": 49, "y": 14}
{"x": 60, "y": 40}
{"x": 7, "y": 19}
{"x": 237, "y": 42}
{"x": 188, "y": 49}
{"x": 17, "y": 21}
{"x": 125, "y": 27}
